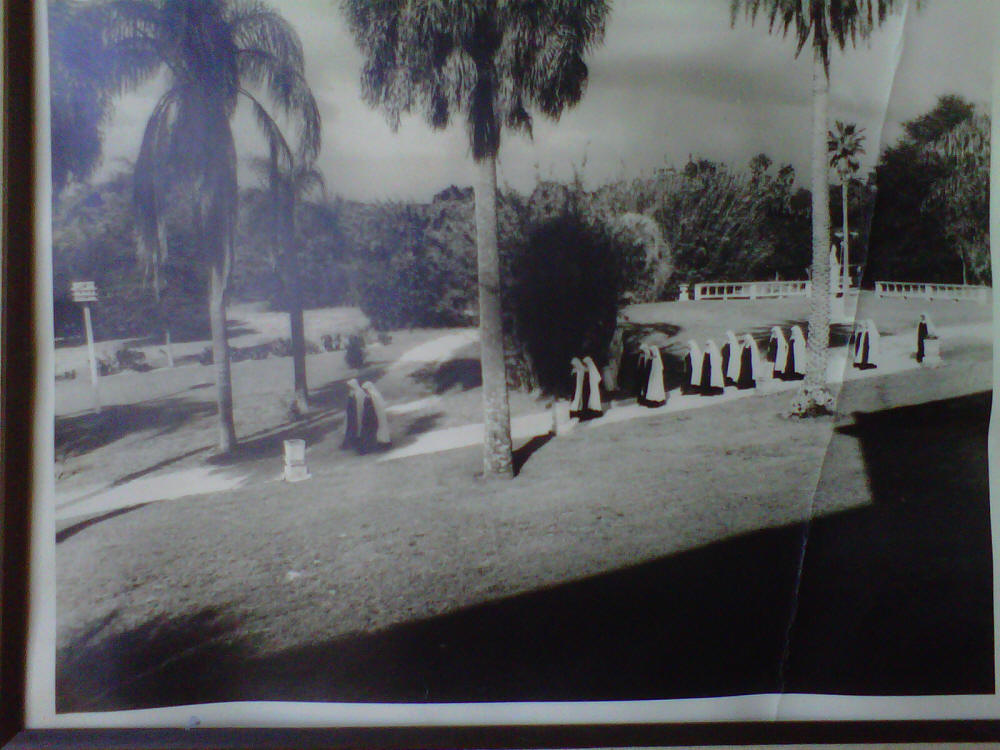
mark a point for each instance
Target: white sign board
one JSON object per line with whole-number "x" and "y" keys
{"x": 84, "y": 291}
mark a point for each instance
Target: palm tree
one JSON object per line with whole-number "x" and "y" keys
{"x": 285, "y": 187}
{"x": 824, "y": 23}
{"x": 844, "y": 147}
{"x": 490, "y": 62}
{"x": 214, "y": 53}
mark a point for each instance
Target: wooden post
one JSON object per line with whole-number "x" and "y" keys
{"x": 91, "y": 355}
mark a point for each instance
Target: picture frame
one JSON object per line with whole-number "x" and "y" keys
{"x": 19, "y": 361}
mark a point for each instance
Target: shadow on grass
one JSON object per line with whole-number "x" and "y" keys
{"x": 895, "y": 598}
{"x": 904, "y": 587}
{"x": 161, "y": 662}
{"x": 526, "y": 451}
{"x": 68, "y": 532}
{"x": 463, "y": 373}
{"x": 82, "y": 433}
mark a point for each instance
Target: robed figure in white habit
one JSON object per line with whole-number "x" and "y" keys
{"x": 925, "y": 330}
{"x": 796, "y": 369}
{"x": 712, "y": 379}
{"x": 579, "y": 386}
{"x": 731, "y": 351}
{"x": 777, "y": 352}
{"x": 592, "y": 406}
{"x": 654, "y": 391}
{"x": 750, "y": 367}
{"x": 353, "y": 408}
{"x": 692, "y": 368}
{"x": 374, "y": 421}
{"x": 642, "y": 372}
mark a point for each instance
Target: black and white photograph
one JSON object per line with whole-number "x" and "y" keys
{"x": 496, "y": 354}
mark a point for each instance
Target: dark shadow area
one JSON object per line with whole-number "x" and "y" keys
{"x": 67, "y": 532}
{"x": 526, "y": 451}
{"x": 85, "y": 432}
{"x": 897, "y": 598}
{"x": 707, "y": 622}
{"x": 100, "y": 669}
{"x": 462, "y": 373}
{"x": 237, "y": 328}
{"x": 421, "y": 424}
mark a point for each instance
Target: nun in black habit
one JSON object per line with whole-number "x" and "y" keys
{"x": 353, "y": 408}
{"x": 374, "y": 421}
{"x": 925, "y": 330}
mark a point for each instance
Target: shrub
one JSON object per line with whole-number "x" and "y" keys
{"x": 130, "y": 359}
{"x": 568, "y": 279}
{"x": 355, "y": 354}
{"x": 281, "y": 347}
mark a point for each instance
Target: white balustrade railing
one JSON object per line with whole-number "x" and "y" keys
{"x": 750, "y": 289}
{"x": 920, "y": 290}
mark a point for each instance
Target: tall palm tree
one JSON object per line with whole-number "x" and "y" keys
{"x": 822, "y": 24}
{"x": 285, "y": 187}
{"x": 844, "y": 146}
{"x": 214, "y": 53}
{"x": 489, "y": 61}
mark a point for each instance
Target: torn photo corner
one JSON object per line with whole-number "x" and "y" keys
{"x": 632, "y": 363}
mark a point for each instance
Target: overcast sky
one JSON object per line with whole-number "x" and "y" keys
{"x": 672, "y": 79}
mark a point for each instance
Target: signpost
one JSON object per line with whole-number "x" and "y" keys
{"x": 85, "y": 292}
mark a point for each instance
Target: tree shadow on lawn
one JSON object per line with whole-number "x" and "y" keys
{"x": 82, "y": 433}
{"x": 895, "y": 599}
{"x": 164, "y": 657}
{"x": 464, "y": 373}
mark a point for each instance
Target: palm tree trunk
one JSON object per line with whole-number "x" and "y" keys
{"x": 847, "y": 240}
{"x": 297, "y": 326}
{"x": 220, "y": 358}
{"x": 819, "y": 304}
{"x": 498, "y": 458}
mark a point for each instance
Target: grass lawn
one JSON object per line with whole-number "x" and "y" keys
{"x": 647, "y": 559}
{"x": 689, "y": 524}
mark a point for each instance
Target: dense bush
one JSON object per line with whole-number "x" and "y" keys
{"x": 354, "y": 354}
{"x": 417, "y": 267}
{"x": 566, "y": 282}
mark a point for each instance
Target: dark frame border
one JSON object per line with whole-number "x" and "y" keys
{"x": 18, "y": 365}
{"x": 17, "y": 370}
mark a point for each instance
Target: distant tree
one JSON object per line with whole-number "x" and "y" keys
{"x": 214, "y": 53}
{"x": 962, "y": 194}
{"x": 912, "y": 236}
{"x": 823, "y": 24}
{"x": 490, "y": 62}
{"x": 759, "y": 164}
{"x": 844, "y": 147}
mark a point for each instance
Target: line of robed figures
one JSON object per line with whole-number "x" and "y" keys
{"x": 707, "y": 371}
